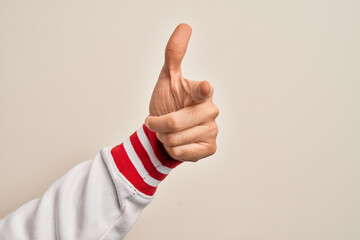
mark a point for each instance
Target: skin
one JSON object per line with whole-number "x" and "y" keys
{"x": 182, "y": 111}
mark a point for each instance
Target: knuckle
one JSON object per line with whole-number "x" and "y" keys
{"x": 173, "y": 123}
{"x": 175, "y": 152}
{"x": 212, "y": 124}
{"x": 216, "y": 112}
{"x": 161, "y": 138}
{"x": 212, "y": 149}
{"x": 170, "y": 139}
{"x": 213, "y": 128}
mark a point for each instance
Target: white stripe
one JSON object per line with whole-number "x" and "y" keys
{"x": 138, "y": 164}
{"x": 147, "y": 145}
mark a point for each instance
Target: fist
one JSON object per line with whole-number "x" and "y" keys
{"x": 182, "y": 112}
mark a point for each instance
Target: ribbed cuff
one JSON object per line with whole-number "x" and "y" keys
{"x": 143, "y": 161}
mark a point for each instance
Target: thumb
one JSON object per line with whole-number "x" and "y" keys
{"x": 176, "y": 47}
{"x": 200, "y": 91}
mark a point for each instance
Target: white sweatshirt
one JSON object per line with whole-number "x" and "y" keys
{"x": 97, "y": 199}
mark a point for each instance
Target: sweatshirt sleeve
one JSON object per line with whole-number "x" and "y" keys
{"x": 97, "y": 199}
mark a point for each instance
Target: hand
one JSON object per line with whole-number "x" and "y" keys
{"x": 182, "y": 112}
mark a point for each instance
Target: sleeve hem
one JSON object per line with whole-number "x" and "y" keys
{"x": 143, "y": 161}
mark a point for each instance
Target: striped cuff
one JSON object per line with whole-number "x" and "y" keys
{"x": 143, "y": 161}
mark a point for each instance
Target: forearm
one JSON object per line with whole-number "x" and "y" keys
{"x": 97, "y": 199}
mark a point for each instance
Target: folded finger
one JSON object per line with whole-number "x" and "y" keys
{"x": 192, "y": 152}
{"x": 194, "y": 134}
{"x": 184, "y": 118}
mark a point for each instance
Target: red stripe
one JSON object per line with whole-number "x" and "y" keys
{"x": 145, "y": 159}
{"x": 159, "y": 150}
{"x": 129, "y": 171}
